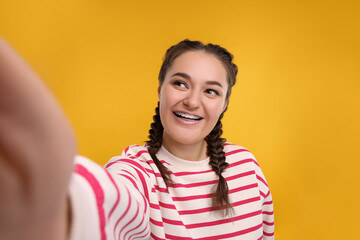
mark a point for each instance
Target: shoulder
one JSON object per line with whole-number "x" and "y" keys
{"x": 135, "y": 155}
{"x": 136, "y": 151}
{"x": 240, "y": 157}
{"x": 236, "y": 153}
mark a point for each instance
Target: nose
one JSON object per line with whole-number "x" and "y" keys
{"x": 192, "y": 100}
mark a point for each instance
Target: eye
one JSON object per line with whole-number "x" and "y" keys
{"x": 212, "y": 92}
{"x": 180, "y": 84}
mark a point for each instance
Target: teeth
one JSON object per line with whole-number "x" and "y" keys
{"x": 188, "y": 116}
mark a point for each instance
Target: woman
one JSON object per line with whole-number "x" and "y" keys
{"x": 186, "y": 182}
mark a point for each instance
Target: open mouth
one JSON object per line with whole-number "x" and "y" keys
{"x": 187, "y": 117}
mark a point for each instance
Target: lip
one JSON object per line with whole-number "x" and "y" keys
{"x": 182, "y": 121}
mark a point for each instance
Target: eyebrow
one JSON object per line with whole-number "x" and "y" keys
{"x": 186, "y": 76}
{"x": 214, "y": 83}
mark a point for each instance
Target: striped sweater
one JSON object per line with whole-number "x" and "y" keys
{"x": 128, "y": 198}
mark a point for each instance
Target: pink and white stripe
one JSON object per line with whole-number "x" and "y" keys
{"x": 129, "y": 200}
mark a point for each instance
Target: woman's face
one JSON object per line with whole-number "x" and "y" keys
{"x": 192, "y": 97}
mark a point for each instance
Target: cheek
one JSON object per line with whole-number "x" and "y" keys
{"x": 164, "y": 103}
{"x": 169, "y": 97}
{"x": 216, "y": 109}
{"x": 167, "y": 100}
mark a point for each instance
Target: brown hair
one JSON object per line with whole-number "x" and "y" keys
{"x": 215, "y": 148}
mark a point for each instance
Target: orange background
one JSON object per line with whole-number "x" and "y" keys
{"x": 295, "y": 106}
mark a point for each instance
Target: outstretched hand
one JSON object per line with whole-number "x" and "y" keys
{"x": 37, "y": 147}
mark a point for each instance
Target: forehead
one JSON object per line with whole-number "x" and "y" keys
{"x": 199, "y": 65}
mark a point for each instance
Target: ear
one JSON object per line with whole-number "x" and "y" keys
{"x": 158, "y": 90}
{"x": 225, "y": 105}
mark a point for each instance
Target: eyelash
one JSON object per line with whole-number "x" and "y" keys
{"x": 212, "y": 90}
{"x": 209, "y": 91}
{"x": 179, "y": 83}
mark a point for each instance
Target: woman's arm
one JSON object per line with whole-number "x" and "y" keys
{"x": 37, "y": 147}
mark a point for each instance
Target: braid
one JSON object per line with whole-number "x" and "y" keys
{"x": 154, "y": 144}
{"x": 215, "y": 148}
{"x": 215, "y": 151}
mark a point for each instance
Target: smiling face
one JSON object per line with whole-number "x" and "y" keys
{"x": 192, "y": 97}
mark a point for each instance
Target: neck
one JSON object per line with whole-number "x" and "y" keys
{"x": 191, "y": 152}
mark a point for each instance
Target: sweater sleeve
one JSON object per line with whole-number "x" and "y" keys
{"x": 267, "y": 205}
{"x": 105, "y": 205}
